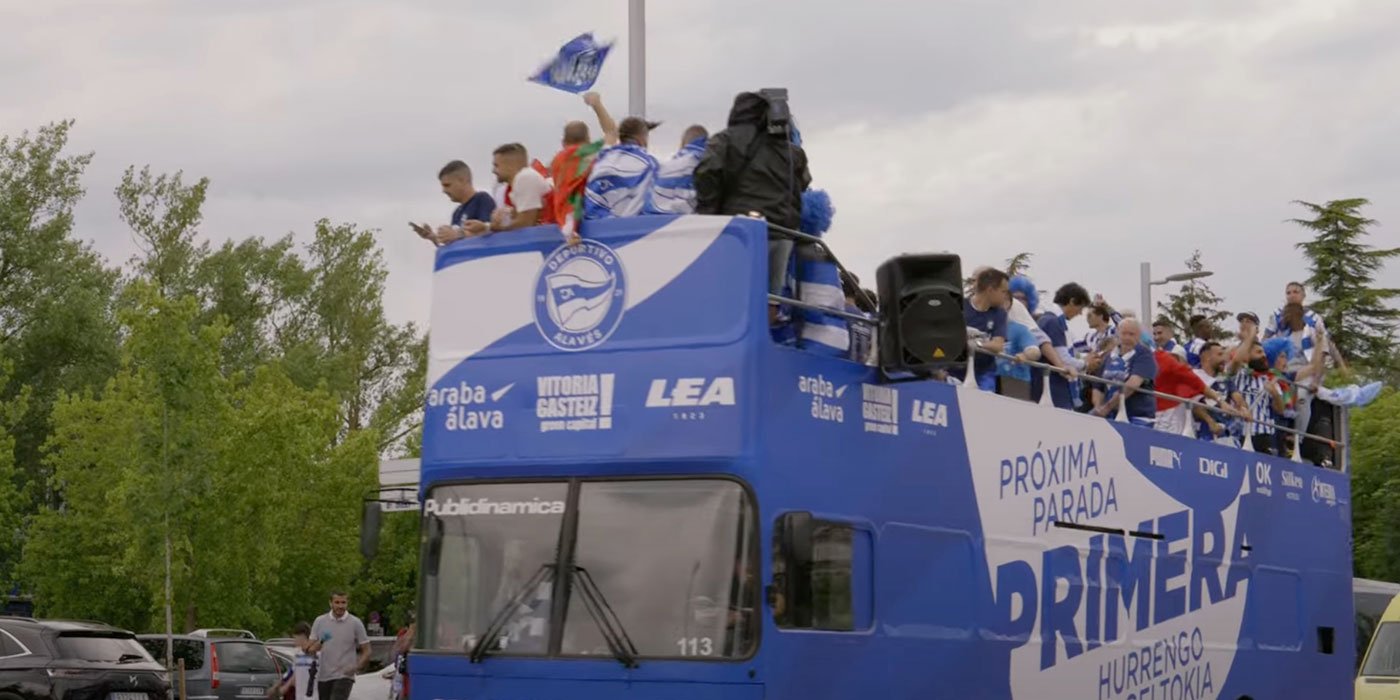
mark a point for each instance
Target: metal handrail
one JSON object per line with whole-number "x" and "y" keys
{"x": 1334, "y": 442}
{"x": 819, "y": 242}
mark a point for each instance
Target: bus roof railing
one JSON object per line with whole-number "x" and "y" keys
{"x": 800, "y": 237}
{"x": 1337, "y": 444}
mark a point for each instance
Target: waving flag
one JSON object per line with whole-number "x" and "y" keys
{"x": 577, "y": 65}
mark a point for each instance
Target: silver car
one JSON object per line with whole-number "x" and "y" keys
{"x": 217, "y": 668}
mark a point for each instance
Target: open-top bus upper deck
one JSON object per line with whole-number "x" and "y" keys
{"x": 619, "y": 408}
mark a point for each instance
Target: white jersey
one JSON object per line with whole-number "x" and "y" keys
{"x": 301, "y": 676}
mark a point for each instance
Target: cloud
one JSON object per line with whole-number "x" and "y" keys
{"x": 1095, "y": 134}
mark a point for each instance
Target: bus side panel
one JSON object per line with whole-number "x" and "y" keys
{"x": 849, "y": 450}
{"x": 1105, "y": 560}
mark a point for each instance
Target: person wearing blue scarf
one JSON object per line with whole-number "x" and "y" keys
{"x": 674, "y": 189}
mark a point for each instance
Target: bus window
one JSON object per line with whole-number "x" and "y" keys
{"x": 835, "y": 594}
{"x": 495, "y": 539}
{"x": 653, "y": 544}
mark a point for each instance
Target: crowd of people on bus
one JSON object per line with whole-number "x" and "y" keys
{"x": 1259, "y": 388}
{"x": 749, "y": 167}
{"x": 755, "y": 166}
{"x": 1242, "y": 391}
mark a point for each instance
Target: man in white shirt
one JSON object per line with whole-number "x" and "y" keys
{"x": 522, "y": 202}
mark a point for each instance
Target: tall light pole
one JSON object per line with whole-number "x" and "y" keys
{"x": 637, "y": 58}
{"x": 1148, "y": 283}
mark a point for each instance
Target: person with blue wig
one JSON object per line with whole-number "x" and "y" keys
{"x": 1024, "y": 289}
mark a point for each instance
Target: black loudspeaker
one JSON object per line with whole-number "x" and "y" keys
{"x": 921, "y": 302}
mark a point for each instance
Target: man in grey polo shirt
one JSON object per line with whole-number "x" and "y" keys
{"x": 344, "y": 649}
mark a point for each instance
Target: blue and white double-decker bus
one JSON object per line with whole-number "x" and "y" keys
{"x": 631, "y": 491}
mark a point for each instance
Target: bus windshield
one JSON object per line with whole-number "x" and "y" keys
{"x": 1384, "y": 658}
{"x": 673, "y": 559}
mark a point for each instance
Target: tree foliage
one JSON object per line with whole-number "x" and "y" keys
{"x": 1194, "y": 298}
{"x": 1019, "y": 264}
{"x": 233, "y": 399}
{"x": 1375, "y": 442}
{"x": 1360, "y": 316}
{"x": 57, "y": 327}
{"x": 245, "y": 480}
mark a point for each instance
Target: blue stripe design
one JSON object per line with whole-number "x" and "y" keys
{"x": 820, "y": 283}
{"x": 621, "y": 179}
{"x": 674, "y": 189}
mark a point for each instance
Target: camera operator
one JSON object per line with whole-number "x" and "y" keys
{"x": 757, "y": 166}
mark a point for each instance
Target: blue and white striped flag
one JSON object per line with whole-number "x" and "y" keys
{"x": 575, "y": 68}
{"x": 820, "y": 285}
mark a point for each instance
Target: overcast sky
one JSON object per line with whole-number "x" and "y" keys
{"x": 1095, "y": 134}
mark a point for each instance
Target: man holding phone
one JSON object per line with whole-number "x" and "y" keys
{"x": 343, "y": 644}
{"x": 472, "y": 205}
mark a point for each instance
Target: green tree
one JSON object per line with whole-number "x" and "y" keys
{"x": 259, "y": 289}
{"x": 246, "y": 481}
{"x": 164, "y": 215}
{"x": 1019, "y": 264}
{"x": 1194, "y": 298}
{"x": 13, "y": 508}
{"x": 57, "y": 326}
{"x": 1375, "y": 489}
{"x": 374, "y": 367}
{"x": 1359, "y": 314}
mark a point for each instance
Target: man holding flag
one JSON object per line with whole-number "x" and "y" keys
{"x": 623, "y": 175}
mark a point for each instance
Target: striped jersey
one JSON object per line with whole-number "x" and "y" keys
{"x": 674, "y": 190}
{"x": 1175, "y": 348}
{"x": 620, "y": 182}
{"x": 1254, "y": 386}
{"x": 1193, "y": 351}
{"x": 1221, "y": 386}
{"x": 1304, "y": 340}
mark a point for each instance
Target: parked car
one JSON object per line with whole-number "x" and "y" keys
{"x": 74, "y": 660}
{"x": 373, "y": 683}
{"x": 224, "y": 633}
{"x": 218, "y": 668}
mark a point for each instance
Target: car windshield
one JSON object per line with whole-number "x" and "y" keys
{"x": 244, "y": 657}
{"x": 673, "y": 559}
{"x": 89, "y": 647}
{"x": 1384, "y": 657}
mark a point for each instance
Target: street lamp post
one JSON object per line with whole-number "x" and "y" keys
{"x": 637, "y": 58}
{"x": 1148, "y": 283}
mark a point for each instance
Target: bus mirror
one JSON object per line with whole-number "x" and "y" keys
{"x": 369, "y": 529}
{"x": 797, "y": 538}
